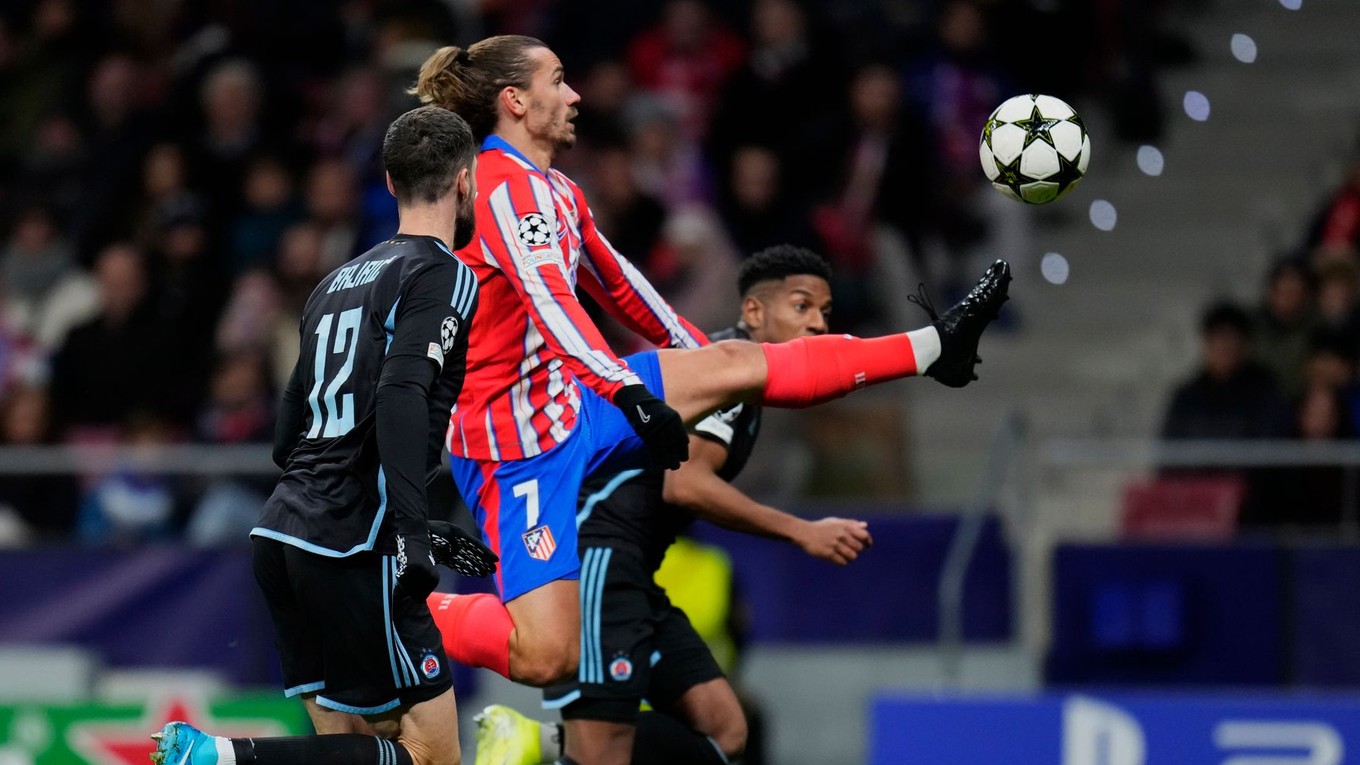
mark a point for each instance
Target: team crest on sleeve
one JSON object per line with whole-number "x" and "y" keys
{"x": 621, "y": 669}
{"x": 448, "y": 333}
{"x": 534, "y": 231}
{"x": 540, "y": 543}
{"x": 430, "y": 666}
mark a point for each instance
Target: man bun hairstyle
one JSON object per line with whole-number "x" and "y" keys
{"x": 470, "y": 80}
{"x": 779, "y": 262}
{"x": 424, "y": 150}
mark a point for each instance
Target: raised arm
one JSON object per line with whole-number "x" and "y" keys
{"x": 518, "y": 227}
{"x": 622, "y": 290}
{"x": 519, "y": 233}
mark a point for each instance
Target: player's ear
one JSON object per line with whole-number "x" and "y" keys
{"x": 464, "y": 183}
{"x": 752, "y": 312}
{"x": 513, "y": 100}
{"x": 390, "y": 188}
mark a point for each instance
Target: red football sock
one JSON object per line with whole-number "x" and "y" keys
{"x": 476, "y": 629}
{"x": 813, "y": 370}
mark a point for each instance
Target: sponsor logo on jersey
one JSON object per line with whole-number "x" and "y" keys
{"x": 430, "y": 666}
{"x": 621, "y": 668}
{"x": 436, "y": 353}
{"x": 540, "y": 543}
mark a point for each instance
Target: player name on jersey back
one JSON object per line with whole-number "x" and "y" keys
{"x": 358, "y": 275}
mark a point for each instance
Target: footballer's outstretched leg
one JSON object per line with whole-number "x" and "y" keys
{"x": 817, "y": 369}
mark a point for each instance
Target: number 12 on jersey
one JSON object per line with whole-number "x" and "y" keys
{"x": 339, "y": 415}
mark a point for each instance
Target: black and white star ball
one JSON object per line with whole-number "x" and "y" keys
{"x": 534, "y": 230}
{"x": 1034, "y": 148}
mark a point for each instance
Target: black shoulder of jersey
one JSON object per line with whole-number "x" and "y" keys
{"x": 731, "y": 333}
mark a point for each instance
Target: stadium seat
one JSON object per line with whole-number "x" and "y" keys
{"x": 1182, "y": 507}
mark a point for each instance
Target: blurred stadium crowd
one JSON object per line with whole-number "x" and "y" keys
{"x": 176, "y": 176}
{"x": 1286, "y": 368}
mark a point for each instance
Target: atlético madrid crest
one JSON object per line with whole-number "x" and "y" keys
{"x": 540, "y": 543}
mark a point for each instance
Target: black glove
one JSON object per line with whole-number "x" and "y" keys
{"x": 659, "y": 426}
{"x": 416, "y": 574}
{"x": 460, "y": 551}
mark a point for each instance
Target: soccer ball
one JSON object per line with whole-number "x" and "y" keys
{"x": 1034, "y": 148}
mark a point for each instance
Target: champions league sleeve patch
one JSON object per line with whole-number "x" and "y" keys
{"x": 448, "y": 333}
{"x": 534, "y": 231}
{"x": 536, "y": 236}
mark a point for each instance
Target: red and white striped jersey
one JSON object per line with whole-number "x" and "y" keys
{"x": 531, "y": 340}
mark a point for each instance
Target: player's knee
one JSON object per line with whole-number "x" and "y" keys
{"x": 424, "y": 754}
{"x": 546, "y": 667}
{"x": 738, "y": 353}
{"x": 741, "y": 361}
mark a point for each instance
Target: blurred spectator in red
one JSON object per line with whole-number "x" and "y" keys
{"x": 117, "y": 363}
{"x": 756, "y": 209}
{"x": 45, "y": 503}
{"x": 1338, "y": 227}
{"x": 271, "y": 206}
{"x": 686, "y": 59}
{"x": 1285, "y": 324}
